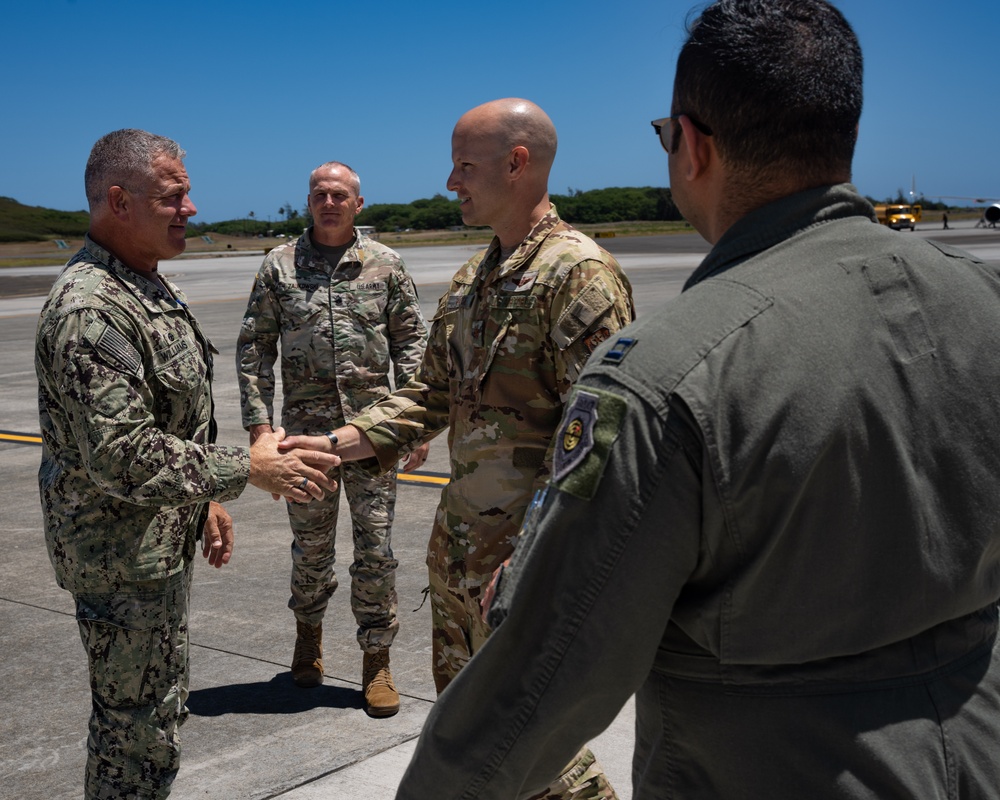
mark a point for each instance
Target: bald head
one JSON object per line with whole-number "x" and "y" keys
{"x": 501, "y": 154}
{"x": 513, "y": 122}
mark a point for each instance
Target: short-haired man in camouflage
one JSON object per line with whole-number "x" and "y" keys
{"x": 508, "y": 340}
{"x": 130, "y": 474}
{"x": 342, "y": 306}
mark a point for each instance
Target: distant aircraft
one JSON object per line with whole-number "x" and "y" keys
{"x": 991, "y": 214}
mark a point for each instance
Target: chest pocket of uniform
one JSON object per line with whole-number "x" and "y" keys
{"x": 301, "y": 310}
{"x": 179, "y": 366}
{"x": 510, "y": 334}
{"x": 368, "y": 305}
{"x": 453, "y": 315}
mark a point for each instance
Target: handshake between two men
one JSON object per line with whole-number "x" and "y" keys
{"x": 297, "y": 474}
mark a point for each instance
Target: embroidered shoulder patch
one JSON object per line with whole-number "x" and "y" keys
{"x": 576, "y": 435}
{"x": 115, "y": 348}
{"x": 594, "y": 339}
{"x": 583, "y": 443}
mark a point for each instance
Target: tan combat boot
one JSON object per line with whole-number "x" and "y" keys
{"x": 381, "y": 697}
{"x": 307, "y": 663}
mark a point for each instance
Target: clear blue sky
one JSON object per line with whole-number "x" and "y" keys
{"x": 260, "y": 93}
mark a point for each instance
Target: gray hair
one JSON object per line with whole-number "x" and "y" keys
{"x": 124, "y": 158}
{"x": 330, "y": 165}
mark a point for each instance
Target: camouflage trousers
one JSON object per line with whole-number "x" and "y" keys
{"x": 372, "y": 502}
{"x": 137, "y": 650}
{"x": 457, "y": 632}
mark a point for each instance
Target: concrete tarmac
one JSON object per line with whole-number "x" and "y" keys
{"x": 252, "y": 733}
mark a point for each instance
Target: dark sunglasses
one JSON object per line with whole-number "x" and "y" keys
{"x": 664, "y": 129}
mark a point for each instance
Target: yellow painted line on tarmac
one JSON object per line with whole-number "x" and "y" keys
{"x": 6, "y": 436}
{"x": 416, "y": 477}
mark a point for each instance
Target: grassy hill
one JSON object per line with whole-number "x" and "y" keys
{"x": 20, "y": 223}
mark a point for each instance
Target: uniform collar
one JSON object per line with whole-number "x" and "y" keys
{"x": 775, "y": 222}
{"x": 309, "y": 257}
{"x": 152, "y": 297}
{"x": 525, "y": 251}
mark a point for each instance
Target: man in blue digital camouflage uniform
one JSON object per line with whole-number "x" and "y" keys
{"x": 130, "y": 474}
{"x": 773, "y": 512}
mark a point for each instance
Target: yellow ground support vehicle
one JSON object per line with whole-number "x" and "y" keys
{"x": 898, "y": 215}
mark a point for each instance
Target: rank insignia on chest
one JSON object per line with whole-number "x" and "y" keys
{"x": 576, "y": 435}
{"x": 522, "y": 282}
{"x": 457, "y": 301}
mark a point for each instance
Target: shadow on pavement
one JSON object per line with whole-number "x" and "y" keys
{"x": 277, "y": 696}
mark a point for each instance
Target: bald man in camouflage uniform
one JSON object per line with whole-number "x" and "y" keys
{"x": 342, "y": 306}
{"x": 130, "y": 474}
{"x": 508, "y": 339}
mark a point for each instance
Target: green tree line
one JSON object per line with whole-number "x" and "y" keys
{"x": 20, "y": 223}
{"x": 440, "y": 213}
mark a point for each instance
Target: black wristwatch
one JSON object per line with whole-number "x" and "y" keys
{"x": 333, "y": 438}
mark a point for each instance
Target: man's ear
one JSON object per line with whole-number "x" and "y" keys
{"x": 119, "y": 202}
{"x": 517, "y": 161}
{"x": 701, "y": 148}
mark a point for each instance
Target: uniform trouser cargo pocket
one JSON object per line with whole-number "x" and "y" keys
{"x": 136, "y": 642}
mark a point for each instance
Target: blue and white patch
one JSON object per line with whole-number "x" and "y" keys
{"x": 576, "y": 434}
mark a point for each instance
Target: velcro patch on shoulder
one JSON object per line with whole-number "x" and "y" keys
{"x": 583, "y": 443}
{"x": 115, "y": 348}
{"x": 589, "y": 306}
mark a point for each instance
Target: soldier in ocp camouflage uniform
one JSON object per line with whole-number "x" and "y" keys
{"x": 130, "y": 474}
{"x": 343, "y": 307}
{"x": 508, "y": 339}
